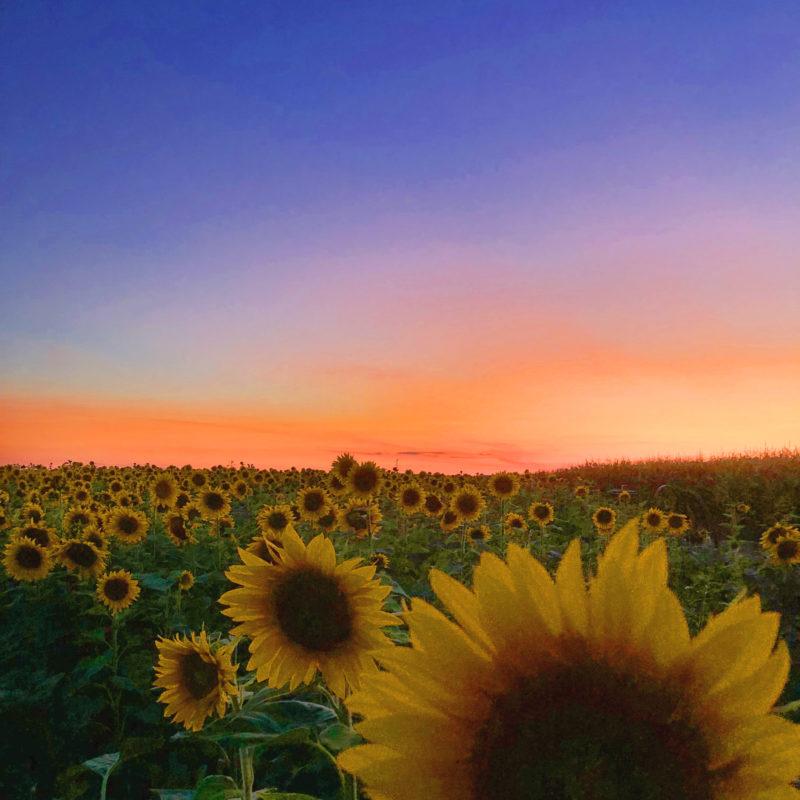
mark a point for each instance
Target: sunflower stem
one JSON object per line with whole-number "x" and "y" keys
{"x": 246, "y": 771}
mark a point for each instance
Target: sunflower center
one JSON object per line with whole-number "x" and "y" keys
{"x": 503, "y": 485}
{"x": 653, "y": 520}
{"x": 214, "y": 501}
{"x": 588, "y": 732}
{"x": 277, "y": 520}
{"x": 433, "y": 504}
{"x": 312, "y": 610}
{"x": 313, "y": 501}
{"x": 177, "y": 528}
{"x": 82, "y": 554}
{"x": 541, "y": 512}
{"x": 128, "y": 525}
{"x": 163, "y": 490}
{"x": 29, "y": 557}
{"x": 675, "y": 521}
{"x": 198, "y": 676}
{"x": 37, "y": 534}
{"x": 411, "y": 497}
{"x": 787, "y": 549}
{"x": 467, "y": 504}
{"x": 115, "y": 589}
{"x": 365, "y": 480}
{"x": 604, "y": 516}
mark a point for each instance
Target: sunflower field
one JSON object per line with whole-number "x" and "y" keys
{"x": 625, "y": 630}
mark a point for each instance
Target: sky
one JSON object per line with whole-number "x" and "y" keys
{"x": 453, "y": 235}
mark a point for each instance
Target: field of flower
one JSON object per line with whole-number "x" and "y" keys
{"x": 237, "y": 633}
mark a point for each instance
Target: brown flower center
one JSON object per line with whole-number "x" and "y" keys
{"x": 29, "y": 557}
{"x": 198, "y": 676}
{"x": 116, "y": 589}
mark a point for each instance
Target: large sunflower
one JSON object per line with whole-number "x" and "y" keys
{"x": 164, "y": 490}
{"x": 197, "y": 678}
{"x": 25, "y": 560}
{"x": 547, "y": 689}
{"x": 604, "y": 519}
{"x": 313, "y": 503}
{"x": 128, "y": 525}
{"x": 274, "y": 521}
{"x": 178, "y": 529}
{"x": 82, "y": 557}
{"x": 504, "y": 485}
{"x": 213, "y": 504}
{"x": 433, "y": 506}
{"x": 364, "y": 480}
{"x": 41, "y": 534}
{"x": 117, "y": 590}
{"x": 468, "y": 503}
{"x": 541, "y": 513}
{"x": 307, "y": 613}
{"x": 410, "y": 498}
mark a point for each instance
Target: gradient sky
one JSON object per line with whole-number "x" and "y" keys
{"x": 451, "y": 235}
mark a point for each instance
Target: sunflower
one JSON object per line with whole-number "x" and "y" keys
{"x": 176, "y": 527}
{"x": 198, "y": 678}
{"x": 164, "y": 490}
{"x": 449, "y": 520}
{"x": 654, "y": 520}
{"x": 360, "y": 519}
{"x": 468, "y": 503}
{"x": 307, "y": 613}
{"x": 31, "y": 512}
{"x": 541, "y": 513}
{"x": 336, "y": 485}
{"x": 581, "y": 491}
{"x": 213, "y": 504}
{"x": 313, "y": 503}
{"x": 96, "y": 537}
{"x": 624, "y": 496}
{"x": 771, "y": 535}
{"x": 274, "y": 520}
{"x": 410, "y": 498}
{"x": 198, "y": 479}
{"x": 742, "y": 508}
{"x": 787, "y": 550}
{"x": 329, "y": 521}
{"x": 433, "y": 506}
{"x": 504, "y": 485}
{"x": 185, "y": 580}
{"x": 604, "y": 519}
{"x": 128, "y": 525}
{"x": 677, "y": 524}
{"x": 547, "y": 689}
{"x": 117, "y": 590}
{"x": 26, "y": 560}
{"x": 379, "y": 560}
{"x": 342, "y": 465}
{"x": 513, "y": 522}
{"x": 76, "y": 519}
{"x": 240, "y": 489}
{"x": 477, "y": 534}
{"x": 82, "y": 557}
{"x": 41, "y": 534}
{"x": 364, "y": 480}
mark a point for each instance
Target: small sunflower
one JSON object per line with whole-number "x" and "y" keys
{"x": 449, "y": 521}
{"x": 433, "y": 505}
{"x": 198, "y": 679}
{"x": 329, "y": 521}
{"x": 514, "y": 523}
{"x": 164, "y": 490}
{"x": 313, "y": 503}
{"x": 177, "y": 528}
{"x": 240, "y": 489}
{"x": 604, "y": 519}
{"x": 624, "y": 496}
{"x": 117, "y": 590}
{"x": 677, "y": 524}
{"x": 787, "y": 550}
{"x": 76, "y": 519}
{"x": 307, "y": 613}
{"x": 504, "y": 485}
{"x": 198, "y": 479}
{"x": 97, "y": 538}
{"x": 213, "y": 504}
{"x": 410, "y": 498}
{"x": 478, "y": 534}
{"x": 545, "y": 688}
{"x": 541, "y": 513}
{"x": 185, "y": 580}
{"x": 82, "y": 557}
{"x": 342, "y": 465}
{"x": 654, "y": 520}
{"x": 31, "y": 512}
{"x": 41, "y": 534}
{"x": 25, "y": 560}
{"x": 581, "y": 491}
{"x": 336, "y": 485}
{"x": 742, "y": 508}
{"x": 264, "y": 546}
{"x": 468, "y": 503}
{"x": 364, "y": 480}
{"x": 771, "y": 535}
{"x": 379, "y": 561}
{"x": 361, "y": 519}
{"x": 274, "y": 521}
{"x": 127, "y": 525}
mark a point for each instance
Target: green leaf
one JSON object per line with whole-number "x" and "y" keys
{"x": 339, "y": 737}
{"x": 174, "y": 794}
{"x": 215, "y": 787}
{"x": 150, "y": 580}
{"x": 103, "y": 765}
{"x": 246, "y": 738}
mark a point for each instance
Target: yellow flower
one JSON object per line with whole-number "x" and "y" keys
{"x": 449, "y": 520}
{"x": 433, "y": 506}
{"x": 117, "y": 590}
{"x": 541, "y": 513}
{"x": 127, "y": 525}
{"x": 213, "y": 504}
{"x": 478, "y": 534}
{"x": 306, "y": 613}
{"x": 514, "y": 523}
{"x": 787, "y": 550}
{"x": 769, "y": 539}
{"x": 164, "y": 490}
{"x": 677, "y": 524}
{"x": 654, "y": 520}
{"x": 274, "y": 521}
{"x": 410, "y": 498}
{"x": 177, "y": 528}
{"x": 468, "y": 503}
{"x": 364, "y": 480}
{"x": 312, "y": 503}
{"x": 197, "y": 678}
{"x": 360, "y": 519}
{"x": 82, "y": 557}
{"x": 504, "y": 485}
{"x": 185, "y": 580}
{"x": 604, "y": 519}
{"x": 25, "y": 560}
{"x": 546, "y": 688}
